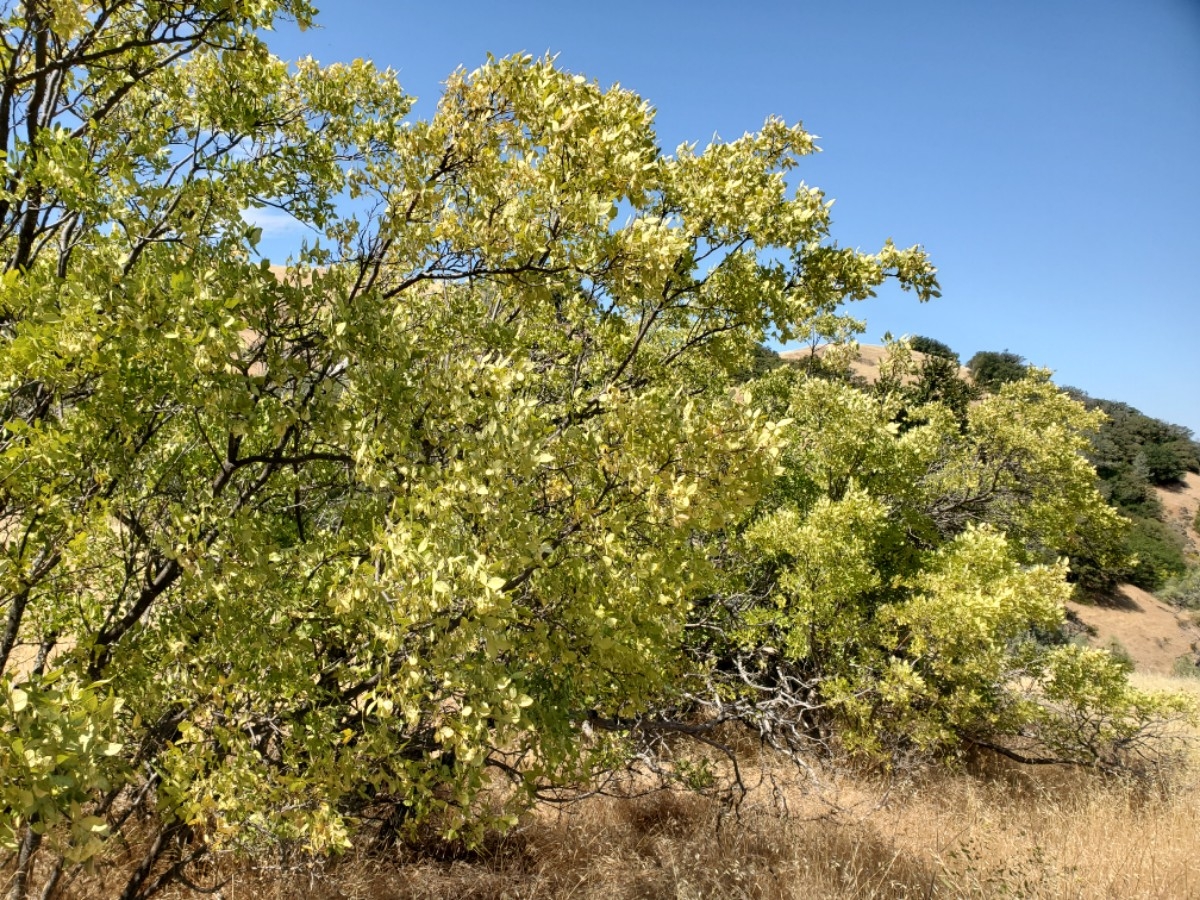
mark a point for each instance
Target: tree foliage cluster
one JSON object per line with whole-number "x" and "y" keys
{"x": 991, "y": 369}
{"x": 455, "y": 512}
{"x": 932, "y": 347}
{"x": 1130, "y": 442}
{"x": 902, "y": 591}
{"x": 1132, "y": 453}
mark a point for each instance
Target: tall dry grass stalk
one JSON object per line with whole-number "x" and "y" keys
{"x": 992, "y": 830}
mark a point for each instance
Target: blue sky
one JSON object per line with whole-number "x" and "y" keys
{"x": 1046, "y": 154}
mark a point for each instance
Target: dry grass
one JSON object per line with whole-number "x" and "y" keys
{"x": 1005, "y": 834}
{"x": 993, "y": 830}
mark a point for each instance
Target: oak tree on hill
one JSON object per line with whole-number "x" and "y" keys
{"x": 991, "y": 369}
{"x": 932, "y": 347}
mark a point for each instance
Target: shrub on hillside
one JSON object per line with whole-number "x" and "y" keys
{"x": 1131, "y": 494}
{"x": 1099, "y": 564}
{"x": 1183, "y": 590}
{"x": 1159, "y": 550}
{"x": 1165, "y": 463}
{"x": 1120, "y": 654}
{"x": 1157, "y": 451}
{"x": 991, "y": 369}
{"x": 931, "y": 347}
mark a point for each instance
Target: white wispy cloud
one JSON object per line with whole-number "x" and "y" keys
{"x": 274, "y": 222}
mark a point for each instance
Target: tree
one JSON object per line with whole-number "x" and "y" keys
{"x": 990, "y": 369}
{"x": 938, "y": 380}
{"x": 1130, "y": 441}
{"x": 311, "y": 550}
{"x": 901, "y": 591}
{"x": 1132, "y": 452}
{"x": 931, "y": 347}
{"x": 1166, "y": 463}
{"x": 1159, "y": 550}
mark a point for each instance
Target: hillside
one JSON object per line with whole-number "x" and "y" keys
{"x": 1180, "y": 504}
{"x": 1154, "y": 634}
{"x": 866, "y": 365}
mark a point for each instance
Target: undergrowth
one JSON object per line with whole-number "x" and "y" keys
{"x": 988, "y": 829}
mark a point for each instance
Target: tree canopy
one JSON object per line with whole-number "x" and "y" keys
{"x": 991, "y": 369}
{"x": 932, "y": 347}
{"x": 1133, "y": 452}
{"x": 303, "y": 544}
{"x": 413, "y": 530}
{"x": 903, "y": 591}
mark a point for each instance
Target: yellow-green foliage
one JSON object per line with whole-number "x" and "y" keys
{"x": 916, "y": 579}
{"x": 950, "y": 638}
{"x": 343, "y": 538}
{"x": 55, "y": 752}
{"x": 301, "y": 549}
{"x": 1079, "y": 704}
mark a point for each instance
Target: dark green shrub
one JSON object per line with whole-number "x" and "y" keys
{"x": 1122, "y": 656}
{"x": 991, "y": 369}
{"x": 1159, "y": 550}
{"x": 931, "y": 347}
{"x": 1165, "y": 463}
{"x": 1093, "y": 577}
{"x": 1166, "y": 451}
{"x": 1131, "y": 494}
{"x": 938, "y": 381}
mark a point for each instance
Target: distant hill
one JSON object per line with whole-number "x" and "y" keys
{"x": 866, "y": 366}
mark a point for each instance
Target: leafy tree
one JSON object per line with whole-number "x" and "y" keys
{"x": 991, "y": 369}
{"x": 1128, "y": 440}
{"x": 285, "y": 552}
{"x": 896, "y": 591}
{"x": 1132, "y": 452}
{"x": 1166, "y": 463}
{"x": 1131, "y": 494}
{"x": 937, "y": 380}
{"x": 931, "y": 347}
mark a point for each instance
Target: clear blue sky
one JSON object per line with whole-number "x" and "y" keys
{"x": 1045, "y": 152}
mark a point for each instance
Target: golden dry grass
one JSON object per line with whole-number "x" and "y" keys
{"x": 1008, "y": 835}
{"x": 866, "y": 363}
{"x": 992, "y": 830}
{"x": 1154, "y": 634}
